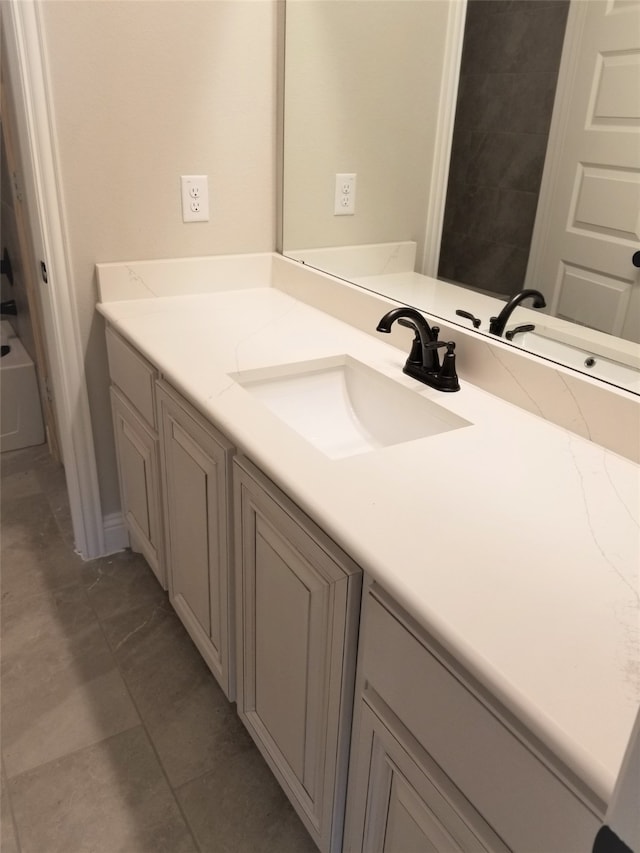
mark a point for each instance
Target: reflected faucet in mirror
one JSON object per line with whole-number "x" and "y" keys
{"x": 423, "y": 363}
{"x": 497, "y": 324}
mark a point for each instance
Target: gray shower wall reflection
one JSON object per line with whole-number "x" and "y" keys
{"x": 509, "y": 70}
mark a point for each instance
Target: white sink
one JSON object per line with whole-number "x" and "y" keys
{"x": 344, "y": 407}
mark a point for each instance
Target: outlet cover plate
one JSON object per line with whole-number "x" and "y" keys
{"x": 345, "y": 194}
{"x": 195, "y": 198}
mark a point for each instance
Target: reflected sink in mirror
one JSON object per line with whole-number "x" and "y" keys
{"x": 344, "y": 407}
{"x": 544, "y": 341}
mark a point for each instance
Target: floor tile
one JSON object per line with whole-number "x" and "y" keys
{"x": 59, "y": 620}
{"x": 52, "y": 480}
{"x": 21, "y": 484}
{"x": 186, "y": 713}
{"x": 107, "y": 704}
{"x": 26, "y": 520}
{"x": 121, "y": 582}
{"x": 34, "y": 555}
{"x": 61, "y": 689}
{"x": 50, "y": 476}
{"x": 8, "y": 839}
{"x": 240, "y": 805}
{"x": 108, "y": 798}
{"x": 54, "y": 703}
{"x": 25, "y": 459}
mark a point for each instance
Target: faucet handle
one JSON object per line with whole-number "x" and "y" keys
{"x": 450, "y": 345}
{"x": 510, "y": 335}
{"x": 469, "y": 316}
{"x": 447, "y": 375}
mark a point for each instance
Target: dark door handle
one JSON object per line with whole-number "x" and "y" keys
{"x": 635, "y": 259}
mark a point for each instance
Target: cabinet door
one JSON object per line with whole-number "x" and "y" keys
{"x": 487, "y": 754}
{"x": 195, "y": 460}
{"x": 398, "y": 805}
{"x": 138, "y": 472}
{"x": 298, "y": 599}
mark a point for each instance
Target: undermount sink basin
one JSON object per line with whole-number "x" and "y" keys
{"x": 344, "y": 407}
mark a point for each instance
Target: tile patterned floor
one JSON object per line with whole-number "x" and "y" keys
{"x": 115, "y": 736}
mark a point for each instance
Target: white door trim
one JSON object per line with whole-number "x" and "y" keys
{"x": 444, "y": 137}
{"x": 27, "y": 57}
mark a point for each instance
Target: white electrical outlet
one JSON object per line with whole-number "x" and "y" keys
{"x": 195, "y": 198}
{"x": 345, "y": 195}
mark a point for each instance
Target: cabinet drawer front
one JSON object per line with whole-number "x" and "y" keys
{"x": 529, "y": 806}
{"x": 133, "y": 375}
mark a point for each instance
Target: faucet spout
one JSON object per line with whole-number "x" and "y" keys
{"x": 423, "y": 363}
{"x": 421, "y": 353}
{"x": 497, "y": 324}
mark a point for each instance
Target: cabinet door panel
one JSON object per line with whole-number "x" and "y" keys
{"x": 135, "y": 461}
{"x": 138, "y": 472}
{"x": 282, "y": 647}
{"x": 508, "y": 782}
{"x": 288, "y": 654}
{"x": 297, "y": 624}
{"x": 196, "y": 460}
{"x": 402, "y": 806}
{"x": 190, "y": 527}
{"x": 411, "y": 826}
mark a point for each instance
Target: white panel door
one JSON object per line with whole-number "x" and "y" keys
{"x": 588, "y": 224}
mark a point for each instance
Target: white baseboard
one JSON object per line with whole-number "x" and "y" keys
{"x": 116, "y": 537}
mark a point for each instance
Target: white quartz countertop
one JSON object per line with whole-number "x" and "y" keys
{"x": 513, "y": 541}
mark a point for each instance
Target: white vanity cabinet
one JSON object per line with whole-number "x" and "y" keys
{"x": 433, "y": 760}
{"x": 134, "y": 422}
{"x": 196, "y": 467}
{"x": 298, "y": 601}
{"x": 435, "y": 766}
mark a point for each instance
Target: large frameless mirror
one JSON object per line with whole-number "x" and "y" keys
{"x": 450, "y": 154}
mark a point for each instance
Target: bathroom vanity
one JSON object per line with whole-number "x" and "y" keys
{"x": 432, "y": 638}
{"x": 295, "y": 593}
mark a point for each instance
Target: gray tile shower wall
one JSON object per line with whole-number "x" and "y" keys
{"x": 510, "y": 60}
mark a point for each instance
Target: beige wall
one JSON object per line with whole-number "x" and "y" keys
{"x": 142, "y": 92}
{"x": 361, "y": 95}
